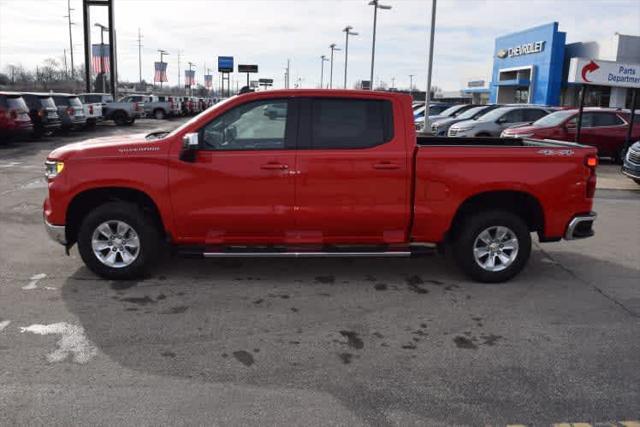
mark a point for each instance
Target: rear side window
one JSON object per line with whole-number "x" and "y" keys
{"x": 533, "y": 115}
{"x": 92, "y": 98}
{"x": 61, "y": 100}
{"x": 513, "y": 116}
{"x": 606, "y": 119}
{"x": 47, "y": 102}
{"x": 17, "y": 103}
{"x": 350, "y": 123}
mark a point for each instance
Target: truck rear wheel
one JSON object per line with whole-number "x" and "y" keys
{"x": 120, "y": 118}
{"x": 492, "y": 246}
{"x": 159, "y": 114}
{"x": 118, "y": 241}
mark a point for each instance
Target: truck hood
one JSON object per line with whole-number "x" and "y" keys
{"x": 110, "y": 146}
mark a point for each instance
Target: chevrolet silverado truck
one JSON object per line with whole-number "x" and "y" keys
{"x": 341, "y": 174}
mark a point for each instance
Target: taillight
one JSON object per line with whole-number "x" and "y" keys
{"x": 591, "y": 161}
{"x": 90, "y": 109}
{"x": 71, "y": 111}
{"x": 135, "y": 106}
{"x": 42, "y": 113}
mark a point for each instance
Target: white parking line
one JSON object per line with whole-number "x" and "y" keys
{"x": 4, "y": 324}
{"x": 72, "y": 344}
{"x": 33, "y": 284}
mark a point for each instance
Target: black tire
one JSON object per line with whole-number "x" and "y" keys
{"x": 159, "y": 114}
{"x": 130, "y": 121}
{"x": 470, "y": 227}
{"x": 621, "y": 155}
{"x": 144, "y": 226}
{"x": 120, "y": 118}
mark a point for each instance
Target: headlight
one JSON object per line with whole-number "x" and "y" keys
{"x": 522, "y": 135}
{"x": 52, "y": 168}
{"x": 464, "y": 128}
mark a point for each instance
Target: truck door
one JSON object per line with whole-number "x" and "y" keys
{"x": 353, "y": 171}
{"x": 240, "y": 188}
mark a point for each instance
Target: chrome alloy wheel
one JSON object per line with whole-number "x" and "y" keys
{"x": 115, "y": 243}
{"x": 495, "y": 248}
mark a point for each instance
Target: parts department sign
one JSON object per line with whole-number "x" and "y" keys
{"x": 604, "y": 73}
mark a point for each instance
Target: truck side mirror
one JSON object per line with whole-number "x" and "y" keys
{"x": 190, "y": 144}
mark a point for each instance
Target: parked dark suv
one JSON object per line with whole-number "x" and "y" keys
{"x": 43, "y": 112}
{"x": 70, "y": 110}
{"x": 14, "y": 116}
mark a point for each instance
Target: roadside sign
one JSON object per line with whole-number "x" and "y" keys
{"x": 365, "y": 85}
{"x": 603, "y": 73}
{"x": 225, "y": 64}
{"x": 253, "y": 83}
{"x": 265, "y": 82}
{"x": 247, "y": 68}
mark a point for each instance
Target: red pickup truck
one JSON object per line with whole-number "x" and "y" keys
{"x": 331, "y": 173}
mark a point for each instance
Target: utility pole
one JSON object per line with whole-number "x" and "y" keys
{"x": 162, "y": 53}
{"x": 347, "y": 33}
{"x": 333, "y": 48}
{"x": 411, "y": 84}
{"x": 323, "y": 59}
{"x": 427, "y": 97}
{"x": 68, "y": 16}
{"x": 179, "y": 53}
{"x": 140, "y": 54}
{"x": 66, "y": 70}
{"x": 287, "y": 74}
{"x": 393, "y": 82}
{"x": 376, "y": 6}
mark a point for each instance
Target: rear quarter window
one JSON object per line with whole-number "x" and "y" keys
{"x": 350, "y": 123}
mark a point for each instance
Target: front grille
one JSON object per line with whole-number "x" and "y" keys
{"x": 453, "y": 132}
{"x": 634, "y": 156}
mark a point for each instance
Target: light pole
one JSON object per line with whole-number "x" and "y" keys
{"x": 68, "y": 16}
{"x": 347, "y": 33}
{"x": 162, "y": 53}
{"x": 103, "y": 28}
{"x": 411, "y": 84}
{"x": 427, "y": 96}
{"x": 323, "y": 59}
{"x": 333, "y": 48}
{"x": 376, "y": 6}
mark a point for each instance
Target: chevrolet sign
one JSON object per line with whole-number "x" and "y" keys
{"x": 523, "y": 49}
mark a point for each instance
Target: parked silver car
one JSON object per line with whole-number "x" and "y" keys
{"x": 441, "y": 127}
{"x": 494, "y": 122}
{"x": 70, "y": 110}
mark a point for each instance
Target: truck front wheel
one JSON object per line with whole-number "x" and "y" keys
{"x": 118, "y": 241}
{"x": 492, "y": 246}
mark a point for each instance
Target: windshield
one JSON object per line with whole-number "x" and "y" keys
{"x": 47, "y": 102}
{"x": 493, "y": 114}
{"x": 17, "y": 103}
{"x": 451, "y": 110}
{"x": 471, "y": 112}
{"x": 194, "y": 119}
{"x": 553, "y": 119}
{"x": 75, "y": 101}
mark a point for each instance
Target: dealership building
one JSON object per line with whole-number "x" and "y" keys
{"x": 532, "y": 66}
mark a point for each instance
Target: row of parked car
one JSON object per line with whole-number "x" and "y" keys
{"x": 27, "y": 113}
{"x": 603, "y": 128}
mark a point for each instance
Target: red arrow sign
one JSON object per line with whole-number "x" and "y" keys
{"x": 589, "y": 68}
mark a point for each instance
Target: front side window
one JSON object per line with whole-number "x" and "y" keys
{"x": 259, "y": 125}
{"x": 350, "y": 123}
{"x": 607, "y": 119}
{"x": 533, "y": 114}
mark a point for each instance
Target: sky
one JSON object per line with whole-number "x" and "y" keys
{"x": 268, "y": 32}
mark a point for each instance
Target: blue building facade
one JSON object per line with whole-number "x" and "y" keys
{"x": 528, "y": 66}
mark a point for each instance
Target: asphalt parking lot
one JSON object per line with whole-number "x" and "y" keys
{"x": 330, "y": 342}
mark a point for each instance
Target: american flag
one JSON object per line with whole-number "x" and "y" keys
{"x": 100, "y": 56}
{"x": 189, "y": 77}
{"x": 208, "y": 80}
{"x": 161, "y": 72}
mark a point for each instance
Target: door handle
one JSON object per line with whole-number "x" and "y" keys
{"x": 386, "y": 165}
{"x": 274, "y": 166}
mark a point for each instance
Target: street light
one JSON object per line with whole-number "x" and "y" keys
{"x": 162, "y": 53}
{"x": 347, "y": 33}
{"x": 333, "y": 48}
{"x": 103, "y": 28}
{"x": 411, "y": 84}
{"x": 323, "y": 59}
{"x": 427, "y": 98}
{"x": 376, "y": 6}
